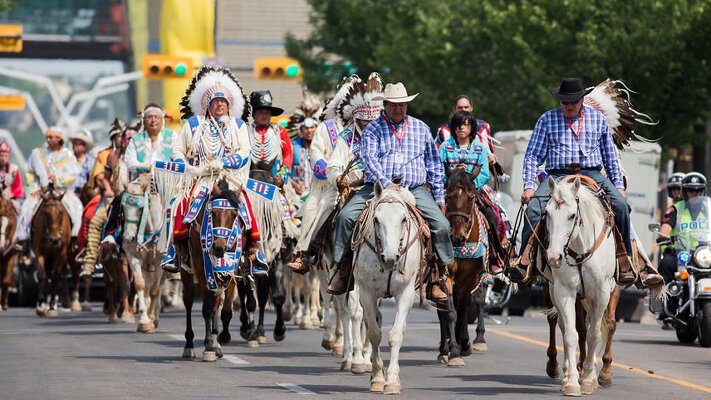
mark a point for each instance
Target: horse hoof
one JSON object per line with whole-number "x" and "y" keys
{"x": 52, "y": 313}
{"x": 262, "y": 339}
{"x": 224, "y": 337}
{"x": 346, "y": 365}
{"x": 112, "y": 319}
{"x": 244, "y": 334}
{"x": 297, "y": 321}
{"x": 189, "y": 353}
{"x": 479, "y": 347}
{"x": 377, "y": 387}
{"x": 553, "y": 370}
{"x": 155, "y": 324}
{"x": 442, "y": 359}
{"x": 455, "y": 362}
{"x": 128, "y": 319}
{"x": 76, "y": 307}
{"x": 146, "y": 328}
{"x": 361, "y": 368}
{"x": 252, "y": 344}
{"x": 604, "y": 382}
{"x": 86, "y": 306}
{"x": 279, "y": 337}
{"x": 41, "y": 313}
{"x": 588, "y": 387}
{"x": 306, "y": 324}
{"x": 327, "y": 344}
{"x": 209, "y": 356}
{"x": 392, "y": 388}
{"x": 572, "y": 390}
{"x": 286, "y": 314}
{"x": 337, "y": 351}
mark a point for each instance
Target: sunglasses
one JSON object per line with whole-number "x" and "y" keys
{"x": 571, "y": 103}
{"x": 694, "y": 190}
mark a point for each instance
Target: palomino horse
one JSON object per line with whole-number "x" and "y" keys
{"x": 142, "y": 223}
{"x": 51, "y": 236}
{"x": 223, "y": 233}
{"x": 387, "y": 266}
{"x": 276, "y": 247}
{"x": 8, "y": 255}
{"x": 581, "y": 254}
{"x": 468, "y": 232}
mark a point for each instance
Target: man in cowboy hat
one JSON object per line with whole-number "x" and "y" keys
{"x": 82, "y": 143}
{"x": 412, "y": 162}
{"x": 572, "y": 138}
{"x": 270, "y": 141}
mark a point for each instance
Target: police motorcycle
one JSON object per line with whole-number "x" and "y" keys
{"x": 688, "y": 301}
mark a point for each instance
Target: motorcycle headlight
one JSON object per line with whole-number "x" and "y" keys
{"x": 702, "y": 257}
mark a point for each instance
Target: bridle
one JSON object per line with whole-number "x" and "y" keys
{"x": 467, "y": 216}
{"x": 402, "y": 247}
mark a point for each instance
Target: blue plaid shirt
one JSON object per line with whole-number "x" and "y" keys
{"x": 554, "y": 143}
{"x": 414, "y": 158}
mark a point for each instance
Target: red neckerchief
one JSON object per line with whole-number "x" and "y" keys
{"x": 580, "y": 124}
{"x": 399, "y": 136}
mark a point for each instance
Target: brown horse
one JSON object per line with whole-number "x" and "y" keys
{"x": 552, "y": 367}
{"x": 217, "y": 301}
{"x": 51, "y": 239}
{"x": 117, "y": 284}
{"x": 466, "y": 272}
{"x": 8, "y": 255}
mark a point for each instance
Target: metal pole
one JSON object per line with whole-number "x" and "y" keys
{"x": 30, "y": 101}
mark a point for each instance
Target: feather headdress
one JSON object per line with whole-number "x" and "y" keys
{"x": 614, "y": 103}
{"x": 358, "y": 101}
{"x": 334, "y": 104}
{"x": 310, "y": 106}
{"x": 210, "y": 83}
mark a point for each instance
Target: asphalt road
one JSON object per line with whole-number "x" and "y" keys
{"x": 81, "y": 356}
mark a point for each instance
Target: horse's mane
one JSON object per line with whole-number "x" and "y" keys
{"x": 462, "y": 177}
{"x": 228, "y": 194}
{"x": 590, "y": 206}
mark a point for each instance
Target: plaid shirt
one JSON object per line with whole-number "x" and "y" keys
{"x": 414, "y": 158}
{"x": 554, "y": 143}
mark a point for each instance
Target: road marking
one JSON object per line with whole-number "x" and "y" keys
{"x": 177, "y": 337}
{"x": 626, "y": 367}
{"x": 235, "y": 360}
{"x": 295, "y": 388}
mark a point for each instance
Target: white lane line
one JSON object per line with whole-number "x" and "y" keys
{"x": 235, "y": 360}
{"x": 177, "y": 337}
{"x": 295, "y": 388}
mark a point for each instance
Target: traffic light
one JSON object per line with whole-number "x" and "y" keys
{"x": 159, "y": 66}
{"x": 277, "y": 68}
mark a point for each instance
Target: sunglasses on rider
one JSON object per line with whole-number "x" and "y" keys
{"x": 571, "y": 103}
{"x": 694, "y": 190}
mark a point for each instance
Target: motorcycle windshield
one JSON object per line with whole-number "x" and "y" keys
{"x": 697, "y": 231}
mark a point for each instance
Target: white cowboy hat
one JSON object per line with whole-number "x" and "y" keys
{"x": 85, "y": 136}
{"x": 395, "y": 93}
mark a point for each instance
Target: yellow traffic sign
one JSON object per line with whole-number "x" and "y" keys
{"x": 12, "y": 102}
{"x": 11, "y": 38}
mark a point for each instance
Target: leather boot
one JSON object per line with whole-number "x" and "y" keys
{"x": 625, "y": 275}
{"x": 650, "y": 277}
{"x": 436, "y": 291}
{"x": 298, "y": 265}
{"x": 341, "y": 281}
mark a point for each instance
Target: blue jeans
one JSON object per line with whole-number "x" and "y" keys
{"x": 439, "y": 226}
{"x": 542, "y": 195}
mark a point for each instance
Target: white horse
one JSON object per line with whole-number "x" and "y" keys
{"x": 581, "y": 254}
{"x": 142, "y": 222}
{"x": 390, "y": 270}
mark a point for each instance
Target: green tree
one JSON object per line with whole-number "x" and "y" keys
{"x": 506, "y": 55}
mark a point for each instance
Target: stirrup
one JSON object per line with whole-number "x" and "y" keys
{"x": 169, "y": 263}
{"x": 259, "y": 265}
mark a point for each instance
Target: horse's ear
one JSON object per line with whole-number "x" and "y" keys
{"x": 377, "y": 189}
{"x": 576, "y": 185}
{"x": 551, "y": 184}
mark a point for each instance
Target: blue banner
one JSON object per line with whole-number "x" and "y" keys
{"x": 261, "y": 188}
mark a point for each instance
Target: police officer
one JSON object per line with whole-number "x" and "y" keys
{"x": 680, "y": 216}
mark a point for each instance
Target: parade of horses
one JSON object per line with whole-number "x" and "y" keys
{"x": 351, "y": 212}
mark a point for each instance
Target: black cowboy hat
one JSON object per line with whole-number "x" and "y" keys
{"x": 571, "y": 90}
{"x": 262, "y": 99}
